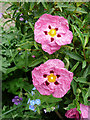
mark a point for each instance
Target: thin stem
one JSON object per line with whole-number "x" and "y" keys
{"x": 59, "y": 115}
{"x": 84, "y": 54}
{"x": 9, "y": 111}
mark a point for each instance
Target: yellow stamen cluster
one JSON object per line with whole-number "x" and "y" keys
{"x": 51, "y": 78}
{"x": 52, "y": 32}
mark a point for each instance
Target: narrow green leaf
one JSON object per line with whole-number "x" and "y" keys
{"x": 7, "y": 22}
{"x": 74, "y": 56}
{"x": 74, "y": 67}
{"x": 80, "y": 35}
{"x": 87, "y": 71}
{"x": 44, "y": 5}
{"x": 85, "y": 95}
{"x": 36, "y": 62}
{"x": 80, "y": 79}
{"x": 84, "y": 64}
{"x": 35, "y": 44}
{"x": 74, "y": 86}
{"x": 32, "y": 5}
{"x": 31, "y": 25}
{"x": 10, "y": 7}
{"x": 11, "y": 70}
{"x": 86, "y": 40}
{"x": 80, "y": 10}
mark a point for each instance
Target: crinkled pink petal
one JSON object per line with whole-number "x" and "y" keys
{"x": 40, "y": 79}
{"x": 54, "y": 18}
{"x": 48, "y": 48}
{"x": 84, "y": 110}
{"x": 65, "y": 38}
{"x": 43, "y": 91}
{"x": 72, "y": 113}
{"x": 55, "y": 63}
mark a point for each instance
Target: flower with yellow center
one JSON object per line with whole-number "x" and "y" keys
{"x": 52, "y": 32}
{"x": 51, "y": 78}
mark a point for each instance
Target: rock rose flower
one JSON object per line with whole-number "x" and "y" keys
{"x": 52, "y": 78}
{"x": 73, "y": 113}
{"x": 52, "y": 32}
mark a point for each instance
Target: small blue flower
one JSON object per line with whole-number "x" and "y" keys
{"x": 58, "y": 106}
{"x": 20, "y": 53}
{"x": 31, "y": 107}
{"x": 26, "y": 21}
{"x": 34, "y": 88}
{"x": 32, "y": 93}
{"x": 28, "y": 101}
{"x": 37, "y": 101}
{"x": 32, "y": 102}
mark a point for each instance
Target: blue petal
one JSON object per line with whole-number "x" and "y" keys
{"x": 37, "y": 101}
{"x": 32, "y": 102}
{"x": 31, "y": 107}
{"x": 28, "y": 101}
{"x": 32, "y": 93}
{"x": 34, "y": 88}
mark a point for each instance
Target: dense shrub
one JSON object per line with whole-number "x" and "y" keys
{"x": 21, "y": 54}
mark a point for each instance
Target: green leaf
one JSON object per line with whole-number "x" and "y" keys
{"x": 87, "y": 71}
{"x": 74, "y": 86}
{"x": 32, "y": 5}
{"x": 74, "y": 67}
{"x": 70, "y": 106}
{"x": 7, "y": 22}
{"x": 86, "y": 40}
{"x": 80, "y": 35}
{"x": 35, "y": 44}
{"x": 36, "y": 62}
{"x": 44, "y": 5}
{"x": 10, "y": 7}
{"x": 84, "y": 64}
{"x": 11, "y": 70}
{"x": 74, "y": 56}
{"x": 81, "y": 10}
{"x": 85, "y": 92}
{"x": 80, "y": 79}
{"x": 49, "y": 99}
{"x": 31, "y": 25}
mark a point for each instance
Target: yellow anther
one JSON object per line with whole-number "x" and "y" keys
{"x": 52, "y": 32}
{"x": 51, "y": 78}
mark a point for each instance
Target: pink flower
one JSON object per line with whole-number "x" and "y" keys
{"x": 21, "y": 19}
{"x": 73, "y": 113}
{"x": 52, "y": 78}
{"x": 52, "y": 32}
{"x": 33, "y": 56}
{"x": 84, "y": 110}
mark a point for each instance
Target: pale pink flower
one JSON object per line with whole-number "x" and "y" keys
{"x": 73, "y": 113}
{"x": 52, "y": 78}
{"x": 21, "y": 19}
{"x": 84, "y": 110}
{"x": 33, "y": 56}
{"x": 52, "y": 32}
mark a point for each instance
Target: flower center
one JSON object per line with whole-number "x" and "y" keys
{"x": 17, "y": 99}
{"x": 52, "y": 32}
{"x": 51, "y": 78}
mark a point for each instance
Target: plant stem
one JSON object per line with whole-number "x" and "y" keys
{"x": 84, "y": 54}
{"x": 9, "y": 111}
{"x": 59, "y": 115}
